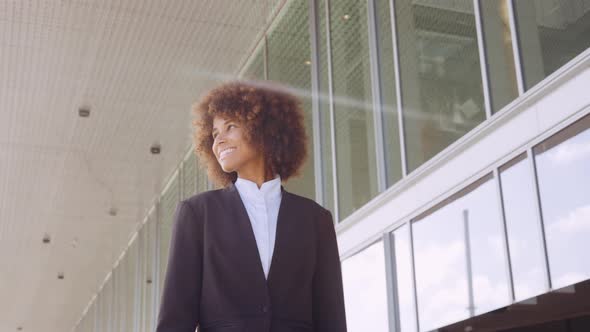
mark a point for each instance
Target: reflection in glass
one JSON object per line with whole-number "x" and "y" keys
{"x": 147, "y": 236}
{"x": 365, "y": 293}
{"x": 189, "y": 176}
{"x": 551, "y": 33}
{"x": 499, "y": 53}
{"x": 388, "y": 92}
{"x": 289, "y": 62}
{"x": 440, "y": 75}
{"x": 562, "y": 164}
{"x": 168, "y": 204}
{"x": 403, "y": 280}
{"x": 353, "y": 111}
{"x": 457, "y": 244}
{"x": 523, "y": 227}
{"x": 324, "y": 92}
{"x": 254, "y": 68}
{"x": 130, "y": 261}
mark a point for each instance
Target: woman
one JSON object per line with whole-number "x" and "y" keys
{"x": 251, "y": 256}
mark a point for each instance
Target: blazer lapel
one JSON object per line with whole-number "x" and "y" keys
{"x": 245, "y": 227}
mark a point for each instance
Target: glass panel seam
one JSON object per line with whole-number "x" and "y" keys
{"x": 516, "y": 48}
{"x": 504, "y": 235}
{"x": 315, "y": 104}
{"x": 398, "y": 91}
{"x": 413, "y": 267}
{"x": 537, "y": 199}
{"x": 376, "y": 96}
{"x": 391, "y": 282}
{"x": 332, "y": 120}
{"x": 482, "y": 58}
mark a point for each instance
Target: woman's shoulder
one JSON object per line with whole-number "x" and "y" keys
{"x": 306, "y": 203}
{"x": 203, "y": 198}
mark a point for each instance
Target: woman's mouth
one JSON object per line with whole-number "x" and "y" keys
{"x": 225, "y": 152}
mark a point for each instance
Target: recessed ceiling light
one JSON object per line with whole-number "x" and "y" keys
{"x": 155, "y": 149}
{"x": 84, "y": 112}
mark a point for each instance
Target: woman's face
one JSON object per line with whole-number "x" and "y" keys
{"x": 231, "y": 146}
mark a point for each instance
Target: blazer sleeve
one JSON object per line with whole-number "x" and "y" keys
{"x": 328, "y": 298}
{"x": 181, "y": 293}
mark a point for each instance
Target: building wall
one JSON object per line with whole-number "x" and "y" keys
{"x": 450, "y": 140}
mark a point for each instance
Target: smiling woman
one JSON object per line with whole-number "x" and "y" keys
{"x": 251, "y": 256}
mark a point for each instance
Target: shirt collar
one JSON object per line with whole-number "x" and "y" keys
{"x": 269, "y": 190}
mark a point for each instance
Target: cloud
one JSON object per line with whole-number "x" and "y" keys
{"x": 576, "y": 221}
{"x": 570, "y": 151}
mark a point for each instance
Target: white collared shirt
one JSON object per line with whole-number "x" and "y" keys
{"x": 262, "y": 206}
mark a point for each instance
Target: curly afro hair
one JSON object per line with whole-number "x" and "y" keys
{"x": 273, "y": 120}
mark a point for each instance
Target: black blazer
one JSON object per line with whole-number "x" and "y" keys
{"x": 215, "y": 279}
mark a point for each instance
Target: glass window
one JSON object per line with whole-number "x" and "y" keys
{"x": 119, "y": 305}
{"x": 461, "y": 267}
{"x": 404, "y": 285}
{"x": 523, "y": 227}
{"x": 254, "y": 68}
{"x": 131, "y": 257}
{"x": 562, "y": 164}
{"x": 289, "y": 62}
{"x": 147, "y": 255}
{"x": 388, "y": 91}
{"x": 353, "y": 109}
{"x": 324, "y": 95}
{"x": 551, "y": 33}
{"x": 189, "y": 176}
{"x": 499, "y": 52}
{"x": 365, "y": 290}
{"x": 440, "y": 72}
{"x": 168, "y": 203}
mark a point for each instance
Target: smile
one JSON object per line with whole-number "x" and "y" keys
{"x": 225, "y": 152}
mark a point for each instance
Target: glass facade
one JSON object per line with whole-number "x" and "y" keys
{"x": 483, "y": 247}
{"x": 551, "y": 33}
{"x": 365, "y": 295}
{"x": 289, "y": 62}
{"x": 500, "y": 65}
{"x": 459, "y": 257}
{"x": 523, "y": 228}
{"x": 353, "y": 108}
{"x": 442, "y": 94}
{"x": 562, "y": 164}
{"x": 403, "y": 283}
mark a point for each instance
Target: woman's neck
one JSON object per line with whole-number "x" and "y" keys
{"x": 258, "y": 178}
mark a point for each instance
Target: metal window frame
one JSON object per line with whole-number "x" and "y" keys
{"x": 391, "y": 282}
{"x": 539, "y": 211}
{"x": 413, "y": 264}
{"x": 156, "y": 266}
{"x": 505, "y": 243}
{"x": 518, "y": 68}
{"x": 265, "y": 55}
{"x": 332, "y": 118}
{"x": 485, "y": 80}
{"x": 398, "y": 90}
{"x": 375, "y": 65}
{"x": 315, "y": 103}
